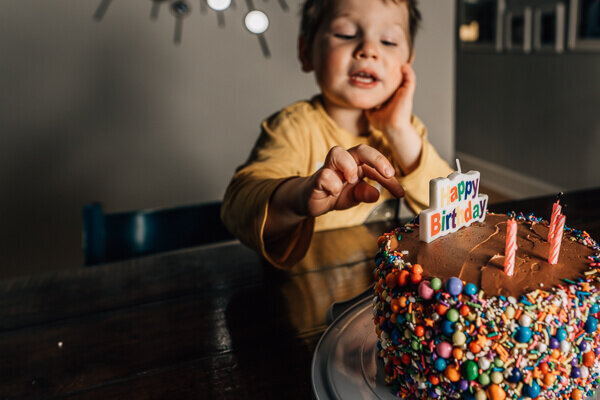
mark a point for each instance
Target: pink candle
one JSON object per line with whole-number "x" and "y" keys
{"x": 556, "y": 240}
{"x": 511, "y": 247}
{"x": 556, "y": 208}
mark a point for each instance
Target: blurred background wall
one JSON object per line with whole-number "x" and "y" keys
{"x": 113, "y": 111}
{"x": 530, "y": 120}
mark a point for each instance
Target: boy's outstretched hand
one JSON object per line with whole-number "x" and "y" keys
{"x": 338, "y": 185}
{"x": 394, "y": 119}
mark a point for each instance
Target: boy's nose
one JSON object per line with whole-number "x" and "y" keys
{"x": 367, "y": 49}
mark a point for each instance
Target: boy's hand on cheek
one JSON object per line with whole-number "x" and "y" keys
{"x": 339, "y": 184}
{"x": 393, "y": 116}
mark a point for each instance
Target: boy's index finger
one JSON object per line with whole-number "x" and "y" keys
{"x": 367, "y": 155}
{"x": 343, "y": 163}
{"x": 391, "y": 184}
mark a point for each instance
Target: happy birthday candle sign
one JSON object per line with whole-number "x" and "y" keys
{"x": 454, "y": 202}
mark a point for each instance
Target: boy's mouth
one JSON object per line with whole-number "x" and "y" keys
{"x": 363, "y": 77}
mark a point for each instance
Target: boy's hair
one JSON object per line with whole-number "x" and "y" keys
{"x": 314, "y": 13}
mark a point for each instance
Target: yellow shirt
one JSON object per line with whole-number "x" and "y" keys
{"x": 295, "y": 142}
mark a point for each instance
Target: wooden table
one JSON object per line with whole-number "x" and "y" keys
{"x": 208, "y": 322}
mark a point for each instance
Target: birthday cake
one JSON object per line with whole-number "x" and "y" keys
{"x": 458, "y": 317}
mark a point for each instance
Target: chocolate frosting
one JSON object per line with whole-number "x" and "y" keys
{"x": 476, "y": 254}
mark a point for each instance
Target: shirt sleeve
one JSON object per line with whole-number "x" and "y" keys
{"x": 279, "y": 154}
{"x": 431, "y": 165}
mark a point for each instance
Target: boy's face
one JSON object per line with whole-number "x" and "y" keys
{"x": 358, "y": 51}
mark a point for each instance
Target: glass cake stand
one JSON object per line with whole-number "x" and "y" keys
{"x": 345, "y": 364}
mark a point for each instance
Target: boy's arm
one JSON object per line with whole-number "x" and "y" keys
{"x": 338, "y": 185}
{"x": 278, "y": 155}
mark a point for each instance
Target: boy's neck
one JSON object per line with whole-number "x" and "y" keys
{"x": 351, "y": 119}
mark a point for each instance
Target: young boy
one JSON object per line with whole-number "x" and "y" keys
{"x": 317, "y": 165}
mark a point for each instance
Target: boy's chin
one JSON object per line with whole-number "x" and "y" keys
{"x": 365, "y": 104}
{"x": 367, "y": 101}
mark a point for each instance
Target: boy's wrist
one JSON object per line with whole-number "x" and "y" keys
{"x": 288, "y": 198}
{"x": 398, "y": 132}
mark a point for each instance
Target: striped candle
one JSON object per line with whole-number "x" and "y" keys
{"x": 556, "y": 240}
{"x": 556, "y": 209}
{"x": 511, "y": 247}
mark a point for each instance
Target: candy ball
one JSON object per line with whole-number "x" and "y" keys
{"x": 464, "y": 310}
{"x": 452, "y": 373}
{"x": 523, "y": 334}
{"x": 474, "y": 347}
{"x": 484, "y": 378}
{"x": 594, "y": 308}
{"x": 591, "y": 325}
{"x": 495, "y": 392}
{"x": 554, "y": 343}
{"x": 419, "y": 331}
{"x": 425, "y": 290}
{"x": 585, "y": 372}
{"x": 417, "y": 269}
{"x": 532, "y": 390}
{"x": 391, "y": 280}
{"x": 463, "y": 384}
{"x": 497, "y": 377}
{"x": 498, "y": 362}
{"x": 452, "y": 315}
{"x": 459, "y": 338}
{"x": 444, "y": 349}
{"x": 510, "y": 312}
{"x": 589, "y": 358}
{"x": 403, "y": 277}
{"x": 434, "y": 379}
{"x": 447, "y": 327}
{"x": 561, "y": 334}
{"x": 584, "y": 346}
{"x": 480, "y": 395}
{"x": 525, "y": 320}
{"x": 470, "y": 289}
{"x": 441, "y": 309}
{"x": 549, "y": 380}
{"x": 458, "y": 353}
{"x": 483, "y": 363}
{"x": 436, "y": 283}
{"x": 470, "y": 370}
{"x": 576, "y": 394}
{"x": 565, "y": 346}
{"x": 454, "y": 286}
{"x": 513, "y": 375}
{"x": 575, "y": 373}
{"x": 440, "y": 364}
{"x": 416, "y": 278}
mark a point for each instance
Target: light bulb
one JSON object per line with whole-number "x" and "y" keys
{"x": 256, "y": 22}
{"x": 219, "y": 5}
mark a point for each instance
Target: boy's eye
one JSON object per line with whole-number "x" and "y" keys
{"x": 345, "y": 37}
{"x": 388, "y": 43}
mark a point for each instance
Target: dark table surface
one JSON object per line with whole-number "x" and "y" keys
{"x": 208, "y": 322}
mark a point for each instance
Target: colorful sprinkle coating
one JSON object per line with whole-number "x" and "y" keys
{"x": 447, "y": 340}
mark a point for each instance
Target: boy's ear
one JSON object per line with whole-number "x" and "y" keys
{"x": 304, "y": 54}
